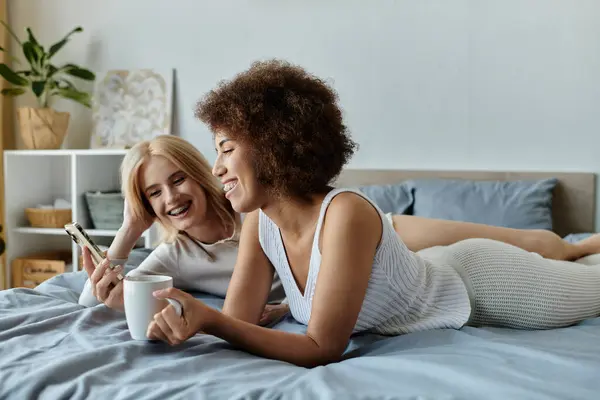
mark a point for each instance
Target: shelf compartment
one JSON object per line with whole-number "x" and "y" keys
{"x": 59, "y": 231}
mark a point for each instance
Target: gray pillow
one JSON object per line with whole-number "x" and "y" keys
{"x": 396, "y": 198}
{"x": 513, "y": 204}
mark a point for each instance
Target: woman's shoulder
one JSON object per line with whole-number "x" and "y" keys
{"x": 348, "y": 209}
{"x": 350, "y": 200}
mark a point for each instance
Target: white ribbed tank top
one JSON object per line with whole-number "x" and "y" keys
{"x": 406, "y": 293}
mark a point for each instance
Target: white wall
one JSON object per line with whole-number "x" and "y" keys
{"x": 457, "y": 84}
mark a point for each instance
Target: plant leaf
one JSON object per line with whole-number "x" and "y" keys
{"x": 13, "y": 91}
{"x": 11, "y": 76}
{"x": 11, "y": 32}
{"x": 58, "y": 45}
{"x": 44, "y": 59}
{"x": 72, "y": 94}
{"x": 31, "y": 54}
{"x": 32, "y": 38}
{"x": 38, "y": 87}
{"x": 78, "y": 72}
{"x": 67, "y": 84}
{"x": 51, "y": 70}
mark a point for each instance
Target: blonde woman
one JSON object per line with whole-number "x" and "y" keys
{"x": 168, "y": 180}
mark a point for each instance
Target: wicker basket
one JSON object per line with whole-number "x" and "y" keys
{"x": 106, "y": 209}
{"x": 42, "y": 128}
{"x": 30, "y": 271}
{"x": 48, "y": 217}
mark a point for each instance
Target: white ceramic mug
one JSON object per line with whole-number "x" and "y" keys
{"x": 141, "y": 305}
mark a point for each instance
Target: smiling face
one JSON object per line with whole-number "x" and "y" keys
{"x": 233, "y": 167}
{"x": 176, "y": 199}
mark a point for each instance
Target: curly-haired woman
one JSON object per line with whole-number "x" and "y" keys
{"x": 281, "y": 141}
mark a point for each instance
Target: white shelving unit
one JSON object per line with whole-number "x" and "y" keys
{"x": 34, "y": 177}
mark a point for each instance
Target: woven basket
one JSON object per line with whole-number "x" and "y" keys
{"x": 106, "y": 209}
{"x": 42, "y": 128}
{"x": 48, "y": 217}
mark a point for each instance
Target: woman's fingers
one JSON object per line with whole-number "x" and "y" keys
{"x": 191, "y": 320}
{"x": 88, "y": 264}
{"x": 165, "y": 328}
{"x": 155, "y": 333}
{"x": 107, "y": 283}
{"x": 266, "y": 318}
{"x": 273, "y": 312}
{"x": 115, "y": 297}
{"x": 103, "y": 288}
{"x": 99, "y": 271}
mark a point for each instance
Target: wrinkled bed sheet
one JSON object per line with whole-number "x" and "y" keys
{"x": 52, "y": 348}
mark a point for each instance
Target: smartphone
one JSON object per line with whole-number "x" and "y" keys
{"x": 81, "y": 238}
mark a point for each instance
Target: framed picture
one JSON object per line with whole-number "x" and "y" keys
{"x": 129, "y": 106}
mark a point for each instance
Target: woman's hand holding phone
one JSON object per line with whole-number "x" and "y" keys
{"x": 105, "y": 283}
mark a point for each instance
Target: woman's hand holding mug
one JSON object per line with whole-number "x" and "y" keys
{"x": 174, "y": 328}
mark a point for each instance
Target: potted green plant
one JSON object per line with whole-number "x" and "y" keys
{"x": 43, "y": 127}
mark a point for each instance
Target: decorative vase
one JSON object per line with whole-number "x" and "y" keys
{"x": 42, "y": 128}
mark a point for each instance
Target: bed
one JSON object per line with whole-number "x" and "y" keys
{"x": 52, "y": 348}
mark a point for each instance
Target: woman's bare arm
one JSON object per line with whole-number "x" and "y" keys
{"x": 351, "y": 234}
{"x": 250, "y": 284}
{"x": 123, "y": 243}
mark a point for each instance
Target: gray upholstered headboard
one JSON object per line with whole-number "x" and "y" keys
{"x": 573, "y": 206}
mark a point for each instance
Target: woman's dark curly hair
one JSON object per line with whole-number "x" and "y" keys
{"x": 289, "y": 119}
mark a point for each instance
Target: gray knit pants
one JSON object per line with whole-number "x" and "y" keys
{"x": 513, "y": 288}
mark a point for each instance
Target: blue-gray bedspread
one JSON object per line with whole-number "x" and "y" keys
{"x": 52, "y": 348}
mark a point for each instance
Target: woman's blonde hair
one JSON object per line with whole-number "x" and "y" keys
{"x": 189, "y": 160}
